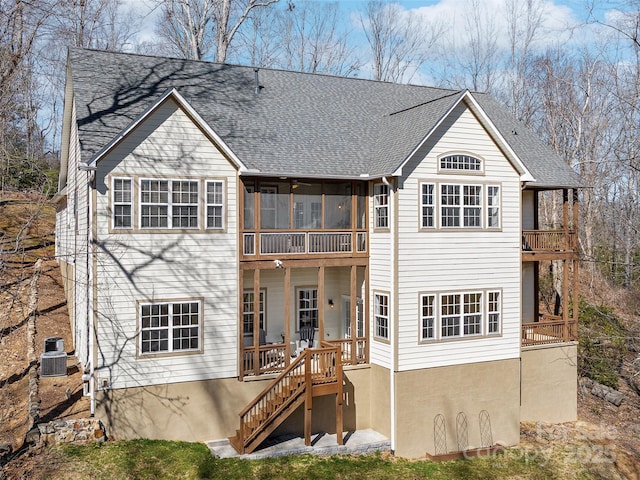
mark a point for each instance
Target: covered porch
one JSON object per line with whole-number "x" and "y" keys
{"x": 550, "y": 266}
{"x": 301, "y": 304}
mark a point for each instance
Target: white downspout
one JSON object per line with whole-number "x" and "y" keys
{"x": 392, "y": 317}
{"x": 90, "y": 254}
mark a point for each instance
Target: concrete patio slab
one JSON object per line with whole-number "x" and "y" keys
{"x": 355, "y": 442}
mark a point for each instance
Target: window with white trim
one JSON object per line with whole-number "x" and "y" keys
{"x": 381, "y": 315}
{"x": 459, "y": 314}
{"x": 169, "y": 203}
{"x": 472, "y": 316}
{"x": 184, "y": 208}
{"x": 247, "y": 310}
{"x": 493, "y": 311}
{"x": 307, "y": 307}
{"x": 215, "y": 204}
{"x": 168, "y": 327}
{"x": 493, "y": 206}
{"x": 381, "y": 205}
{"x": 450, "y": 315}
{"x": 428, "y": 317}
{"x": 154, "y": 203}
{"x": 461, "y": 163}
{"x": 122, "y": 198}
{"x": 427, "y": 204}
{"x": 460, "y": 206}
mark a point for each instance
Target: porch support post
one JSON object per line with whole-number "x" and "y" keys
{"x": 576, "y": 266}
{"x": 565, "y": 298}
{"x": 256, "y": 321}
{"x": 308, "y": 397}
{"x": 241, "y": 322}
{"x": 565, "y": 218}
{"x": 287, "y": 315}
{"x": 366, "y": 313}
{"x": 353, "y": 314}
{"x": 339, "y": 399}
{"x": 321, "y": 301}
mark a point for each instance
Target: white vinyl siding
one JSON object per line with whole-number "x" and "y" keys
{"x": 439, "y": 261}
{"x": 139, "y": 266}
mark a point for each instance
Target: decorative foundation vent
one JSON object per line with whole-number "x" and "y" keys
{"x": 53, "y": 364}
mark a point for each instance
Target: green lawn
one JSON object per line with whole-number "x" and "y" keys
{"x": 150, "y": 459}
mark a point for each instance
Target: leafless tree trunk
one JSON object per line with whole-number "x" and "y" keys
{"x": 399, "y": 45}
{"x": 312, "y": 40}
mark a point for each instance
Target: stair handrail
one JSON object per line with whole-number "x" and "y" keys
{"x": 275, "y": 381}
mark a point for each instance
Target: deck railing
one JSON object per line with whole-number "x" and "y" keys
{"x": 549, "y": 241}
{"x": 292, "y": 243}
{"x": 346, "y": 345}
{"x": 551, "y": 329}
{"x": 270, "y": 359}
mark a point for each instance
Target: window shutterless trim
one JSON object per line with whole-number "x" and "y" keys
{"x": 172, "y": 325}
{"x": 121, "y": 198}
{"x": 463, "y": 307}
{"x": 460, "y": 162}
{"x": 381, "y": 311}
{"x": 262, "y": 309}
{"x": 136, "y": 205}
{"x": 381, "y": 210}
{"x": 215, "y": 204}
{"x": 466, "y": 202}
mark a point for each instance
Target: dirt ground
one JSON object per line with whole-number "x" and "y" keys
{"x": 26, "y": 228}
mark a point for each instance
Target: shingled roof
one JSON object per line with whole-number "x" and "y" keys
{"x": 298, "y": 124}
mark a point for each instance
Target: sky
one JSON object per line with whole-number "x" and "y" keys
{"x": 559, "y": 13}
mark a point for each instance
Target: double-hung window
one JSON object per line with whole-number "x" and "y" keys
{"x": 167, "y": 327}
{"x": 308, "y": 307}
{"x": 493, "y": 312}
{"x": 460, "y": 206}
{"x": 459, "y": 314}
{"x": 184, "y": 208}
{"x": 248, "y": 310}
{"x": 169, "y": 203}
{"x": 427, "y": 203}
{"x": 381, "y": 315}
{"x": 428, "y": 317}
{"x": 154, "y": 203}
{"x": 215, "y": 204}
{"x": 493, "y": 206}
{"x": 122, "y": 203}
{"x": 381, "y": 205}
{"x": 472, "y": 316}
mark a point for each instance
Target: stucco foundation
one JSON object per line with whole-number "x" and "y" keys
{"x": 207, "y": 410}
{"x": 470, "y": 388}
{"x": 549, "y": 383}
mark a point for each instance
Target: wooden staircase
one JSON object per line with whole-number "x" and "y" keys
{"x": 314, "y": 372}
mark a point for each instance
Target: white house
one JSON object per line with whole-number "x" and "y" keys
{"x": 396, "y": 224}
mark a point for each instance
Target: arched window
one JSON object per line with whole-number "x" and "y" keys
{"x": 460, "y": 162}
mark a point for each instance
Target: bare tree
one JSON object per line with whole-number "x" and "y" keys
{"x": 524, "y": 19}
{"x": 399, "y": 44}
{"x": 194, "y": 28}
{"x": 312, "y": 40}
{"x": 471, "y": 58}
{"x": 186, "y": 26}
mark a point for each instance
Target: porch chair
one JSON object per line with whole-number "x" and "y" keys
{"x": 306, "y": 339}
